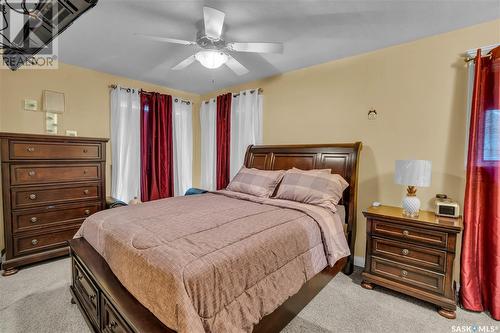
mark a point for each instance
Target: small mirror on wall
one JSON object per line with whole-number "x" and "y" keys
{"x": 53, "y": 101}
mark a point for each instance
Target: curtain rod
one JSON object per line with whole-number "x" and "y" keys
{"x": 470, "y": 55}
{"x": 469, "y": 58}
{"x": 114, "y": 86}
{"x": 260, "y": 91}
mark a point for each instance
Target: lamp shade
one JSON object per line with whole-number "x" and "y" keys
{"x": 413, "y": 173}
{"x": 211, "y": 58}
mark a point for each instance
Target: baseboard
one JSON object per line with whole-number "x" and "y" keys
{"x": 359, "y": 261}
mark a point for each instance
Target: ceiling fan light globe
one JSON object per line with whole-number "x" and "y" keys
{"x": 211, "y": 58}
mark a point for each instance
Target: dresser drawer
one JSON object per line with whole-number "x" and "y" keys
{"x": 47, "y": 217}
{"x": 409, "y": 253}
{"x": 420, "y": 235}
{"x": 111, "y": 321}
{"x": 86, "y": 291}
{"x": 36, "y": 174}
{"x": 33, "y": 150}
{"x": 50, "y": 195}
{"x": 26, "y": 244}
{"x": 408, "y": 275}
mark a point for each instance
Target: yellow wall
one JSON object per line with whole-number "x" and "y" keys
{"x": 419, "y": 92}
{"x": 87, "y": 104}
{"x": 418, "y": 89}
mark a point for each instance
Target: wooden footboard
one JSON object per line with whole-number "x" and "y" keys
{"x": 108, "y": 307}
{"x": 104, "y": 302}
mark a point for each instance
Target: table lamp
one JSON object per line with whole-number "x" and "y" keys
{"x": 412, "y": 173}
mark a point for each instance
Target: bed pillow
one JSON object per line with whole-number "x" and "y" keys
{"x": 316, "y": 188}
{"x": 260, "y": 183}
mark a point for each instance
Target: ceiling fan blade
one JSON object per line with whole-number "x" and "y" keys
{"x": 166, "y": 39}
{"x": 256, "y": 47}
{"x": 214, "y": 20}
{"x": 236, "y": 67}
{"x": 184, "y": 63}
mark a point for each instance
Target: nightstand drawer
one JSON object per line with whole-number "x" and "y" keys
{"x": 408, "y": 275}
{"x": 423, "y": 236}
{"x": 409, "y": 254}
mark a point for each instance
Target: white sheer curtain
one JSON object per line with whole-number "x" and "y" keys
{"x": 246, "y": 126}
{"x": 182, "y": 140}
{"x": 208, "y": 113}
{"x": 125, "y": 144}
{"x": 470, "y": 88}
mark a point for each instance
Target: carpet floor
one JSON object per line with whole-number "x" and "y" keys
{"x": 37, "y": 299}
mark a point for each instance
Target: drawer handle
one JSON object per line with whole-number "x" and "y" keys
{"x": 87, "y": 211}
{"x": 404, "y": 273}
{"x": 92, "y": 297}
{"x": 31, "y": 173}
{"x": 34, "y": 241}
{"x": 85, "y": 151}
{"x": 32, "y": 196}
{"x": 405, "y": 252}
{"x": 33, "y": 219}
{"x": 30, "y": 149}
{"x": 85, "y": 171}
{"x": 406, "y": 232}
{"x": 112, "y": 324}
{"x": 79, "y": 277}
{"x": 85, "y": 191}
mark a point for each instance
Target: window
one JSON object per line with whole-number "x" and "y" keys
{"x": 491, "y": 146}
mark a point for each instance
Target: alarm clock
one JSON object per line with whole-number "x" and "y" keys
{"x": 447, "y": 208}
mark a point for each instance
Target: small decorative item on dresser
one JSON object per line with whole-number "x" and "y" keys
{"x": 412, "y": 173}
{"x": 413, "y": 256}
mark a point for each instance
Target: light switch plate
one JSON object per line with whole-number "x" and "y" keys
{"x": 51, "y": 122}
{"x": 31, "y": 104}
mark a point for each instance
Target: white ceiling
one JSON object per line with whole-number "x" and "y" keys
{"x": 313, "y": 32}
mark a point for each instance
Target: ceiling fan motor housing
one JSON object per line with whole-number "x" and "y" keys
{"x": 206, "y": 42}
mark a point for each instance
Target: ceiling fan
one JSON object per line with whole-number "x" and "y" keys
{"x": 215, "y": 51}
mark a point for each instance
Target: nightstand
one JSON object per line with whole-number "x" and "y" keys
{"x": 413, "y": 256}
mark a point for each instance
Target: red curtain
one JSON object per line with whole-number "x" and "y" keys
{"x": 480, "y": 263}
{"x": 223, "y": 139}
{"x": 157, "y": 175}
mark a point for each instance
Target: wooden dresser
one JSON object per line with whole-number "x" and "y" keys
{"x": 50, "y": 184}
{"x": 413, "y": 256}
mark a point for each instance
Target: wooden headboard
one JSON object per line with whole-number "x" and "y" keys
{"x": 341, "y": 158}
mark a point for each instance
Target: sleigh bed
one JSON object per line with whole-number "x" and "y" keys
{"x": 98, "y": 284}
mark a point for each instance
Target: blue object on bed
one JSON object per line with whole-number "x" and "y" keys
{"x": 193, "y": 191}
{"x": 113, "y": 203}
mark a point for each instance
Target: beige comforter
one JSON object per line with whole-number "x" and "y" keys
{"x": 216, "y": 262}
